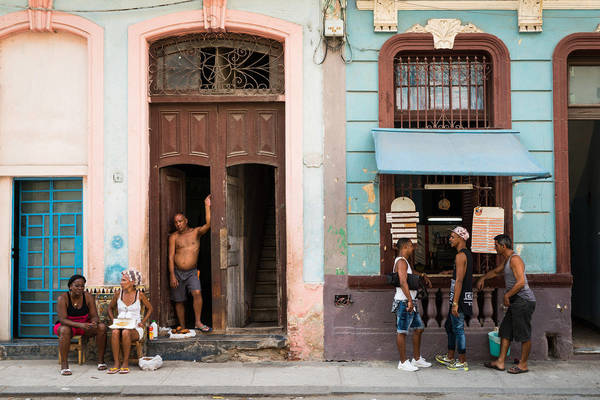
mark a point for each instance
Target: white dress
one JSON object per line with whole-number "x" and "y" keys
{"x": 131, "y": 312}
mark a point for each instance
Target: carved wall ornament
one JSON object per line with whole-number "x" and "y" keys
{"x": 40, "y": 15}
{"x": 598, "y": 28}
{"x": 214, "y": 15}
{"x": 444, "y": 31}
{"x": 530, "y": 15}
{"x": 385, "y": 16}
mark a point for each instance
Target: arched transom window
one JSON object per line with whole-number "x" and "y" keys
{"x": 216, "y": 64}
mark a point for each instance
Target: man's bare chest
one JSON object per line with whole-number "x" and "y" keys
{"x": 187, "y": 241}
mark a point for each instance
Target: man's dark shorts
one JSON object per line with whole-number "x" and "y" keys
{"x": 188, "y": 281}
{"x": 516, "y": 325}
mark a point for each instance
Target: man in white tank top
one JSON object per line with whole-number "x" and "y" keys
{"x": 407, "y": 315}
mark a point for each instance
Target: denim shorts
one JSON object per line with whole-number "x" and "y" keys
{"x": 408, "y": 321}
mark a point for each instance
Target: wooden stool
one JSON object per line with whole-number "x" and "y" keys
{"x": 139, "y": 350}
{"x": 77, "y": 343}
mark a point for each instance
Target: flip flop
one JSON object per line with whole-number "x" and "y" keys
{"x": 517, "y": 370}
{"x": 102, "y": 367}
{"x": 66, "y": 372}
{"x": 124, "y": 371}
{"x": 488, "y": 364}
{"x": 112, "y": 371}
{"x": 204, "y": 328}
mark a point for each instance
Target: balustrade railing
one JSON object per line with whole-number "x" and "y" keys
{"x": 434, "y": 310}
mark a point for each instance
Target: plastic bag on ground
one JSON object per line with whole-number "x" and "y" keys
{"x": 150, "y": 363}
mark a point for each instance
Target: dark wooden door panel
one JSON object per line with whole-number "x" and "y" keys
{"x": 252, "y": 133}
{"x": 199, "y": 123}
{"x": 181, "y": 133}
{"x": 237, "y": 131}
{"x": 170, "y": 133}
{"x": 172, "y": 200}
{"x": 218, "y": 136}
{"x": 267, "y": 132}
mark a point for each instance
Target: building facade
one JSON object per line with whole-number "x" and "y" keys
{"x": 439, "y": 70}
{"x": 114, "y": 118}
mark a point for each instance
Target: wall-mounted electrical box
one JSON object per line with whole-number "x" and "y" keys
{"x": 334, "y": 27}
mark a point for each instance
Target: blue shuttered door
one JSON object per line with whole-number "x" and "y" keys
{"x": 50, "y": 249}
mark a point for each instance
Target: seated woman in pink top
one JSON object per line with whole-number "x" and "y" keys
{"x": 77, "y": 316}
{"x": 128, "y": 304}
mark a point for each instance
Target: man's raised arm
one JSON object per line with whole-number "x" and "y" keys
{"x": 204, "y": 228}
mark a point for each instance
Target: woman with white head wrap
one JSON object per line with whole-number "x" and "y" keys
{"x": 128, "y": 301}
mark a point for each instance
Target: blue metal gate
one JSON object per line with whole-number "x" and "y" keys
{"x": 50, "y": 223}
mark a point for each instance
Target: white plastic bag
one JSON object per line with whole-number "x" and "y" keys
{"x": 150, "y": 363}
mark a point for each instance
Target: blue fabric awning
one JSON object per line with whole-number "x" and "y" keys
{"x": 453, "y": 152}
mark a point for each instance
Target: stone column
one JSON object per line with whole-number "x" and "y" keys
{"x": 445, "y": 305}
{"x": 474, "y": 322}
{"x": 431, "y": 309}
{"x": 488, "y": 309}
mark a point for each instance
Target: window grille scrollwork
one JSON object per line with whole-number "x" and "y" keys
{"x": 216, "y": 64}
{"x": 445, "y": 92}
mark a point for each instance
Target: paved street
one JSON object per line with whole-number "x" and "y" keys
{"x": 358, "y": 380}
{"x": 366, "y": 396}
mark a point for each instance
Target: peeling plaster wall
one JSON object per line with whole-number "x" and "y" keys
{"x": 305, "y": 318}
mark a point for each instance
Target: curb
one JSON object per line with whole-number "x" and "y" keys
{"x": 302, "y": 390}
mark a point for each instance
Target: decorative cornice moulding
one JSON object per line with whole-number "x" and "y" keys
{"x": 444, "y": 31}
{"x": 529, "y": 11}
{"x": 385, "y": 16}
{"x": 530, "y": 15}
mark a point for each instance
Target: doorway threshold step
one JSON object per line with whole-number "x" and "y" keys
{"x": 213, "y": 347}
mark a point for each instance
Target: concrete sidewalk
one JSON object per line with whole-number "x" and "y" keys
{"x": 181, "y": 378}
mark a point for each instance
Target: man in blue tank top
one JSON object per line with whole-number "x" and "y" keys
{"x": 461, "y": 302}
{"x": 519, "y": 299}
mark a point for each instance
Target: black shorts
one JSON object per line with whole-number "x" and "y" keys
{"x": 188, "y": 281}
{"x": 516, "y": 325}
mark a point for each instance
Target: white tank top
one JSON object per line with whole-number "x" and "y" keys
{"x": 132, "y": 311}
{"x": 399, "y": 293}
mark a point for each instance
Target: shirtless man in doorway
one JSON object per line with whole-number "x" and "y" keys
{"x": 184, "y": 246}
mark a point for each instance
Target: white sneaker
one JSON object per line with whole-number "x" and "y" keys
{"x": 420, "y": 363}
{"x": 407, "y": 366}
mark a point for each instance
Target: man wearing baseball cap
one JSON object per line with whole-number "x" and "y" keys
{"x": 461, "y": 302}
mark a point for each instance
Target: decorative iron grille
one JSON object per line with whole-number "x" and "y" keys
{"x": 483, "y": 194}
{"x": 216, "y": 64}
{"x": 448, "y": 92}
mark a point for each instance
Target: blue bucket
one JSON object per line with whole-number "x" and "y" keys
{"x": 495, "y": 344}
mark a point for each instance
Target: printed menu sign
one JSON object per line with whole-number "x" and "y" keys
{"x": 488, "y": 222}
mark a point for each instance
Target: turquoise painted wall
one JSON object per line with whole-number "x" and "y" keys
{"x": 531, "y": 96}
{"x": 115, "y": 25}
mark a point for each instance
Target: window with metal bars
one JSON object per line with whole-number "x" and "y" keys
{"x": 448, "y": 91}
{"x": 433, "y": 253}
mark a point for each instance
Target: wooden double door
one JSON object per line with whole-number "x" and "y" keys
{"x": 196, "y": 149}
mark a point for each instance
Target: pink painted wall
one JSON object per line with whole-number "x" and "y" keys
{"x": 18, "y": 22}
{"x": 305, "y": 303}
{"x": 14, "y": 23}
